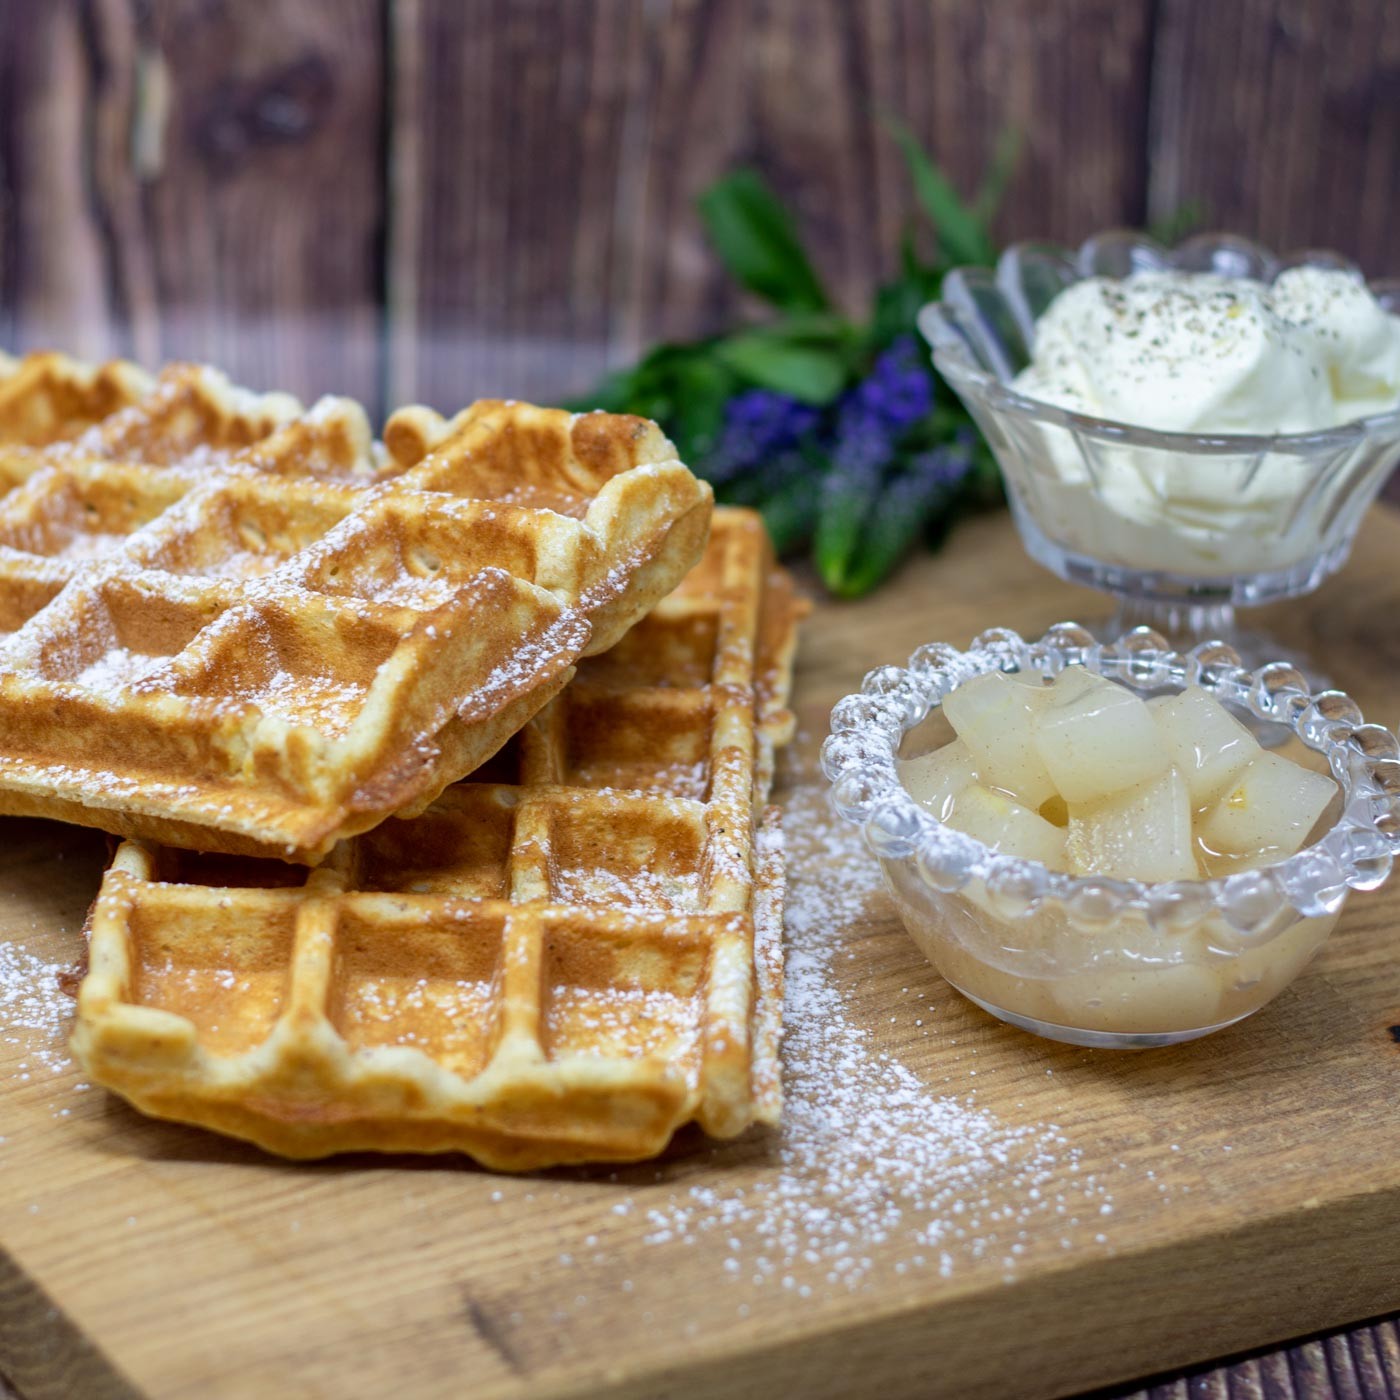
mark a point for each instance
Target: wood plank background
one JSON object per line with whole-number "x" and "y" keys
{"x": 435, "y": 199}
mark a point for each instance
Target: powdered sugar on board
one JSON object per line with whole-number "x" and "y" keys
{"x": 871, "y": 1164}
{"x": 34, "y": 1011}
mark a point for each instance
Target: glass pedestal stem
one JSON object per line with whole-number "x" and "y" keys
{"x": 1187, "y": 625}
{"x": 1184, "y": 625}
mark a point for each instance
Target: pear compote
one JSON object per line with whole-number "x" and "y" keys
{"x": 1084, "y": 776}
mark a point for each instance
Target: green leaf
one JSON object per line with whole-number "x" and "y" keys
{"x": 682, "y": 387}
{"x": 897, "y": 305}
{"x": 818, "y": 327}
{"x": 1005, "y": 157}
{"x": 961, "y": 235}
{"x": 791, "y": 514}
{"x": 616, "y": 392}
{"x": 702, "y": 387}
{"x": 808, "y": 370}
{"x": 1187, "y": 218}
{"x": 890, "y": 536}
{"x": 770, "y": 478}
{"x": 847, "y": 500}
{"x": 652, "y": 377}
{"x": 909, "y": 263}
{"x": 901, "y": 515}
{"x": 985, "y": 490}
{"x": 612, "y": 394}
{"x": 755, "y": 239}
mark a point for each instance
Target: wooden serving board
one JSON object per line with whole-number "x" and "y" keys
{"x": 1024, "y": 1218}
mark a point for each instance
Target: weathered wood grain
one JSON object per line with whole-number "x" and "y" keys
{"x": 208, "y": 178}
{"x": 1362, "y": 1363}
{"x": 515, "y": 179}
{"x": 53, "y": 282}
{"x": 1365, "y": 1362}
{"x": 196, "y": 178}
{"x": 265, "y": 204}
{"x": 198, "y": 1266}
{"x": 526, "y": 263}
{"x": 1283, "y": 116}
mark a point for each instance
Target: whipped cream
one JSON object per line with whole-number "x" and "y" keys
{"x": 1201, "y": 353}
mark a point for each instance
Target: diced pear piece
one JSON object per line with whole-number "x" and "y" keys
{"x": 1141, "y": 834}
{"x": 1075, "y": 681}
{"x": 995, "y": 717}
{"x": 1269, "y": 809}
{"x": 1096, "y": 738}
{"x": 1205, "y": 741}
{"x": 935, "y": 779}
{"x": 1007, "y": 826}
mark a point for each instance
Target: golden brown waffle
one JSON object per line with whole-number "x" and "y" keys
{"x": 562, "y": 961}
{"x": 230, "y": 624}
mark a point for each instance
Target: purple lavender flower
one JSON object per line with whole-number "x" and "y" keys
{"x": 860, "y": 456}
{"x": 898, "y": 391}
{"x": 757, "y": 424}
{"x": 773, "y": 474}
{"x": 861, "y": 551}
{"x": 863, "y": 442}
{"x": 943, "y": 468}
{"x": 877, "y": 412}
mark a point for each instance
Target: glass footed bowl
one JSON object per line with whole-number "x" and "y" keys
{"x": 1113, "y": 963}
{"x": 1179, "y": 528}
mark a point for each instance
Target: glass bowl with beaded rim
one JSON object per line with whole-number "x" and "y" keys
{"x": 1095, "y": 961}
{"x": 1180, "y": 528}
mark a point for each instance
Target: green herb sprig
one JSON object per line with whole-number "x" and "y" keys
{"x": 839, "y": 432}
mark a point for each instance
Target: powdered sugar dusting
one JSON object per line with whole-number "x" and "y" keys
{"x": 625, "y": 1022}
{"x": 531, "y": 664}
{"x": 117, "y": 666}
{"x": 34, "y": 1010}
{"x": 872, "y": 1168}
{"x": 321, "y": 701}
{"x": 213, "y": 502}
{"x": 637, "y": 889}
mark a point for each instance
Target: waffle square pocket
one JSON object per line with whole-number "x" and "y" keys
{"x": 235, "y": 625}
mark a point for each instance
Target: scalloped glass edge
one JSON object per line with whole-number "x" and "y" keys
{"x": 867, "y": 728}
{"x": 939, "y": 323}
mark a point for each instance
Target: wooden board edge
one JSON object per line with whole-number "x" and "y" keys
{"x": 1070, "y": 1330}
{"x": 44, "y": 1354}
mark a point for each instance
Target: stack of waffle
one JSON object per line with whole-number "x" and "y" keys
{"x": 443, "y": 763}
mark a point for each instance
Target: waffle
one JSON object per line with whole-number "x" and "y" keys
{"x": 562, "y": 960}
{"x": 231, "y": 624}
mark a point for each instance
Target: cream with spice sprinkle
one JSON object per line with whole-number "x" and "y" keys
{"x": 1200, "y": 353}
